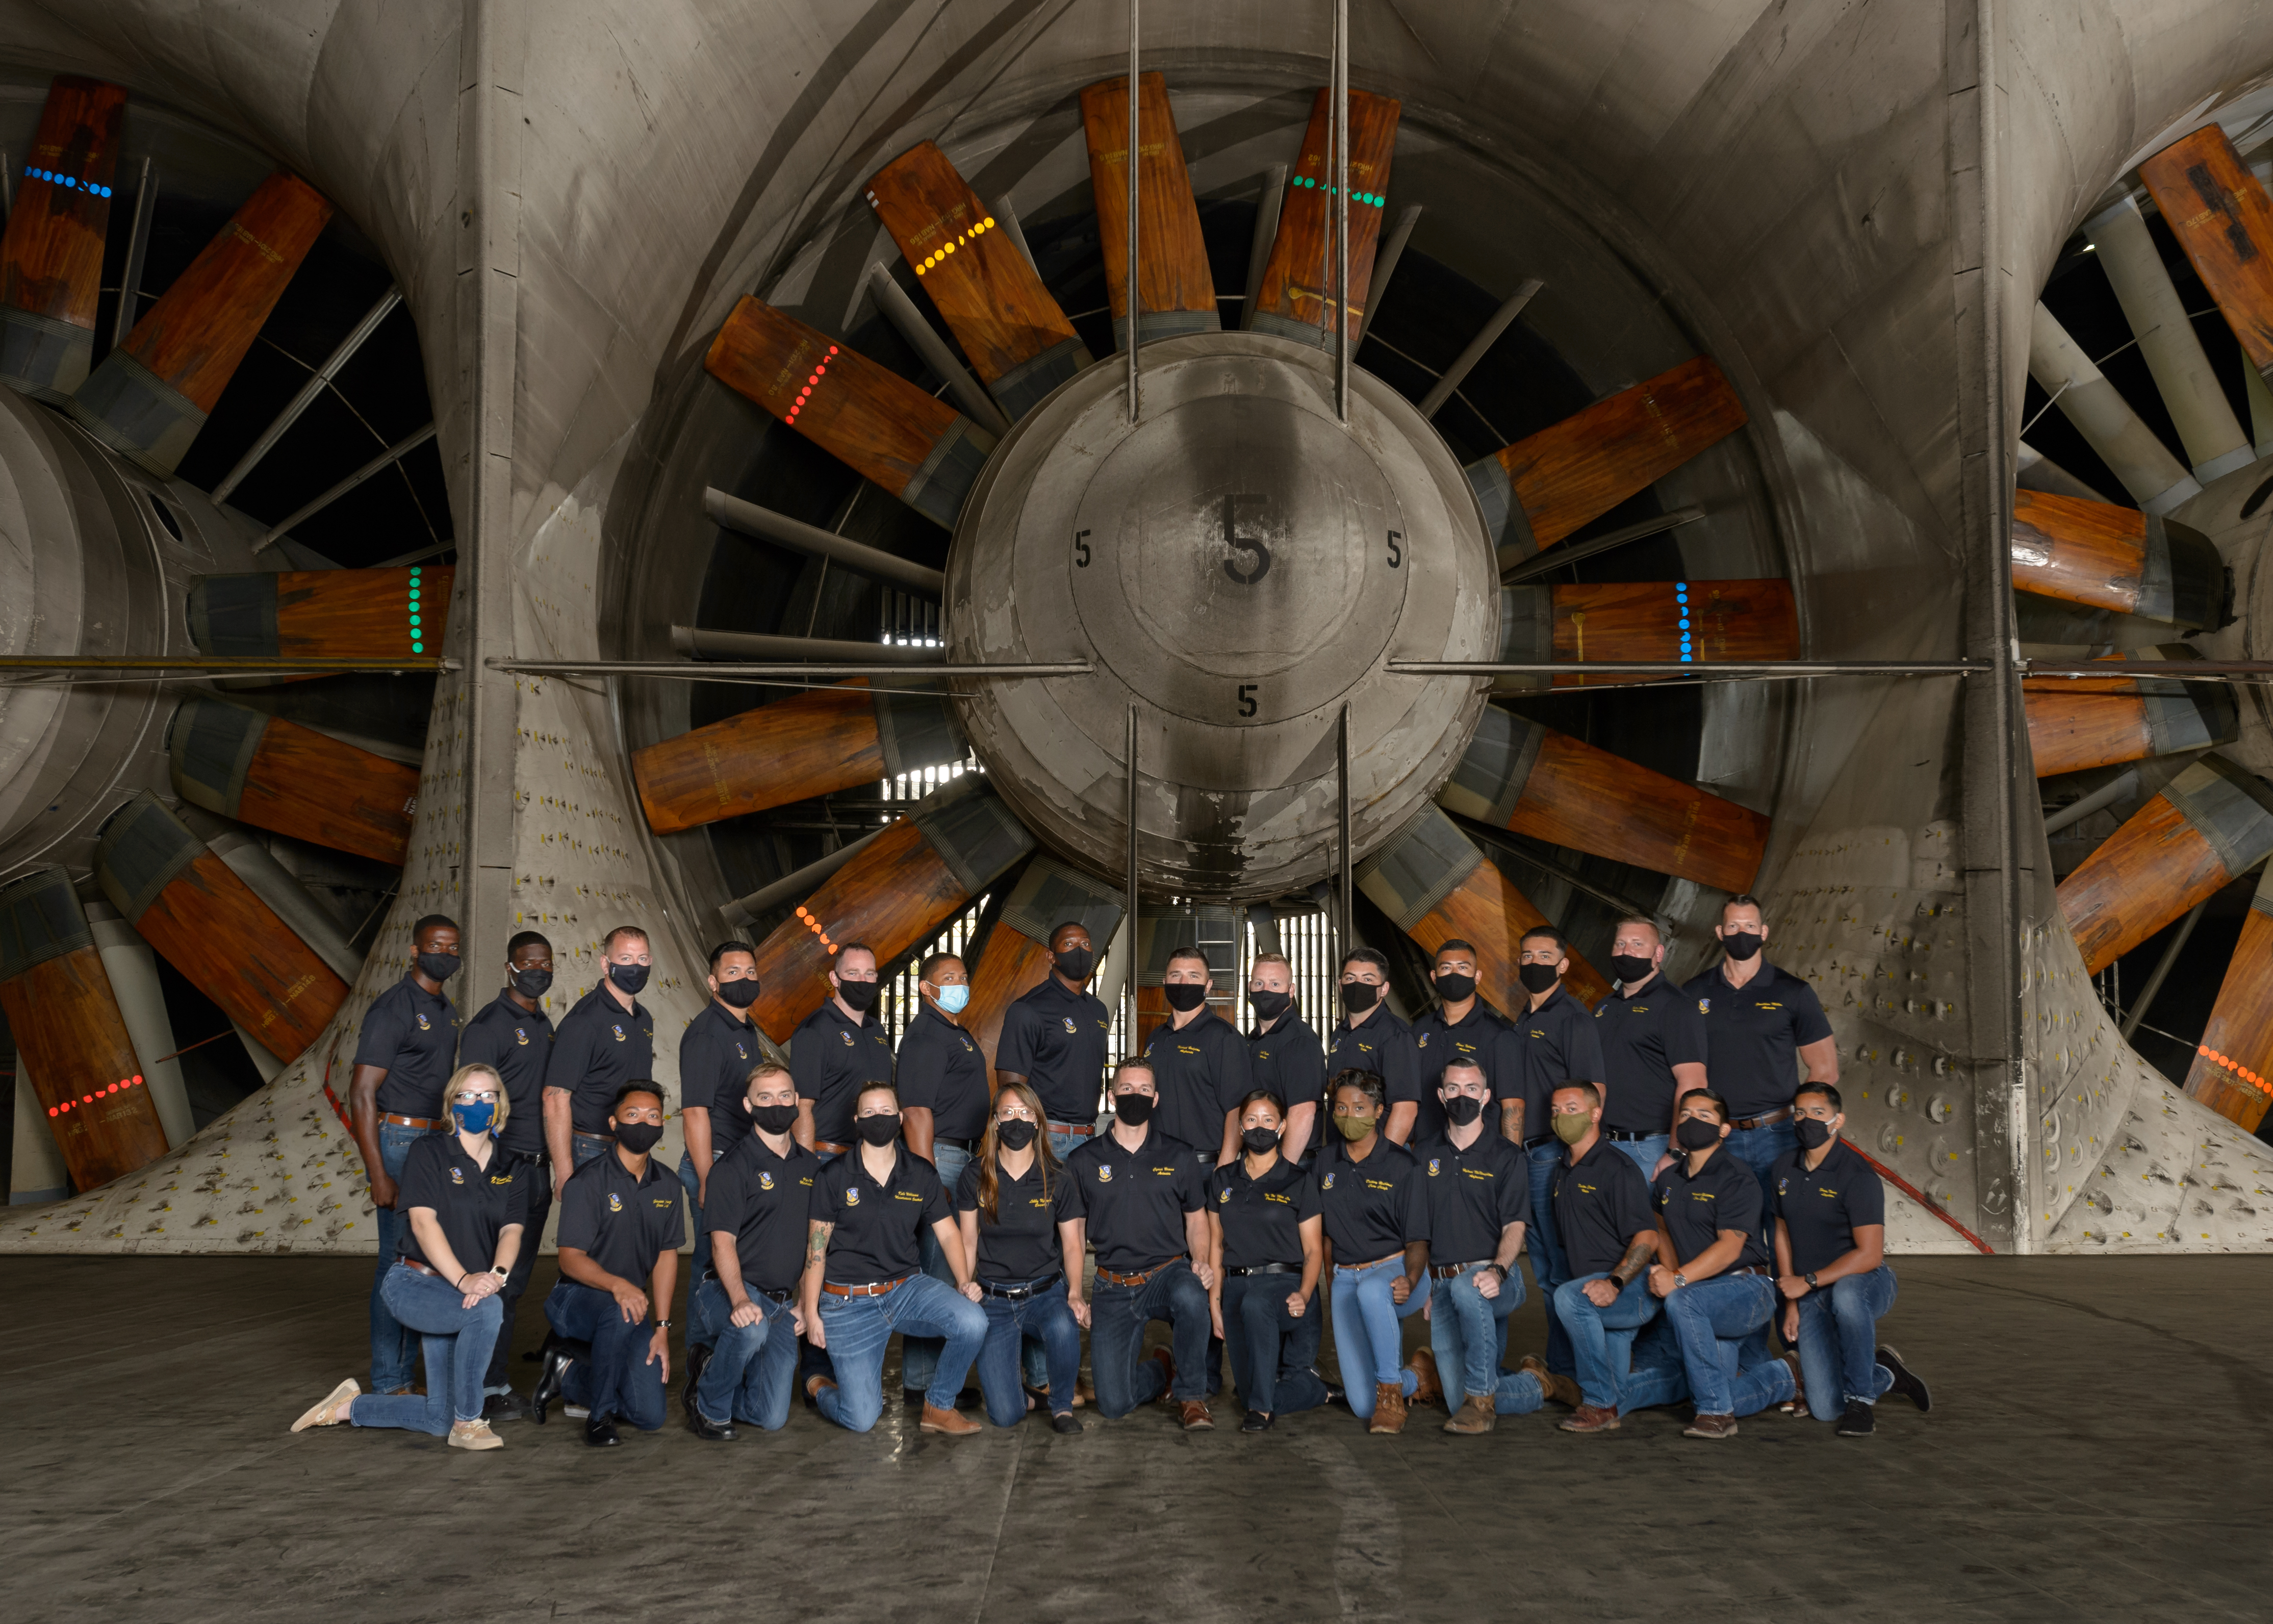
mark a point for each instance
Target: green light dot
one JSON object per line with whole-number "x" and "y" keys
{"x": 418, "y": 648}
{"x": 414, "y": 620}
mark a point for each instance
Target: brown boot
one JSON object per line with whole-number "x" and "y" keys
{"x": 1562, "y": 1390}
{"x": 1429, "y": 1389}
{"x": 1475, "y": 1414}
{"x": 1167, "y": 1363}
{"x": 1798, "y": 1406}
{"x": 1196, "y": 1417}
{"x": 1591, "y": 1418}
{"x": 954, "y": 1423}
{"x": 1711, "y": 1427}
{"x": 1388, "y": 1408}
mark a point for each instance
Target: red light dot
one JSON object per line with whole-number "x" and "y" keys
{"x": 87, "y": 1099}
{"x": 813, "y": 378}
{"x": 137, "y": 1077}
{"x": 832, "y": 349}
{"x": 805, "y": 394}
{"x": 52, "y": 1111}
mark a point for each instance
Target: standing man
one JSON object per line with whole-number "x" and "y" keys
{"x": 1369, "y": 1037}
{"x": 1653, "y": 1047}
{"x": 1761, "y": 1025}
{"x": 1054, "y": 1041}
{"x": 1199, "y": 1063}
{"x": 1479, "y": 1186}
{"x": 1609, "y": 1231}
{"x": 839, "y": 1050}
{"x": 606, "y": 1039}
{"x": 403, "y": 1056}
{"x": 1284, "y": 1055}
{"x": 1462, "y": 1026}
{"x": 621, "y": 1222}
{"x": 513, "y": 1036}
{"x": 1558, "y": 1042}
{"x": 943, "y": 1108}
{"x": 715, "y": 1057}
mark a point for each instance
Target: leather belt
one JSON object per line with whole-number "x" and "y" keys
{"x": 1019, "y": 1294}
{"x": 879, "y": 1288}
{"x": 1628, "y": 1136}
{"x": 1112, "y": 1279}
{"x": 1753, "y": 1268}
{"x": 414, "y": 1122}
{"x": 1056, "y": 1126}
{"x": 1268, "y": 1268}
{"x": 1536, "y": 1140}
{"x": 779, "y": 1298}
{"x": 967, "y": 1147}
{"x": 424, "y": 1268}
{"x": 1448, "y": 1271}
{"x": 1768, "y": 1121}
{"x": 839, "y": 1150}
{"x": 1355, "y": 1268}
{"x": 604, "y": 1138}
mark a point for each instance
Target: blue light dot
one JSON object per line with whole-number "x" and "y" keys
{"x": 1684, "y": 622}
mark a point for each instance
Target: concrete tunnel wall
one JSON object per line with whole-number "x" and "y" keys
{"x": 1796, "y": 179}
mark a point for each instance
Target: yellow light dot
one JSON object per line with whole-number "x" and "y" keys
{"x": 987, "y": 222}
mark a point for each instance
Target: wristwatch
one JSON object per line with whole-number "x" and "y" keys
{"x": 664, "y": 1325}
{"x": 503, "y": 1275}
{"x": 1809, "y": 1278}
{"x": 1680, "y": 1279}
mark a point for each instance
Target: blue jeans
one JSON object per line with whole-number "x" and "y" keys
{"x": 622, "y": 1380}
{"x": 584, "y": 1147}
{"x": 698, "y": 1334}
{"x": 1713, "y": 1322}
{"x": 1839, "y": 1342}
{"x": 1645, "y": 1153}
{"x": 1369, "y": 1346}
{"x": 859, "y": 1328}
{"x": 1469, "y": 1332}
{"x": 1118, "y": 1316}
{"x": 753, "y": 1368}
{"x": 1757, "y": 1149}
{"x": 1063, "y": 1144}
{"x": 390, "y": 1338}
{"x": 1601, "y": 1338}
{"x": 499, "y": 1379}
{"x": 458, "y": 1341}
{"x": 1550, "y": 1268}
{"x": 1273, "y": 1355}
{"x": 920, "y": 1355}
{"x": 1044, "y": 1320}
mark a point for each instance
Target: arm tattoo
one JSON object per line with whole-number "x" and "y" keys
{"x": 1637, "y": 1259}
{"x": 816, "y": 1245}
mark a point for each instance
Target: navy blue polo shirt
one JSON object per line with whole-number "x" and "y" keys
{"x": 1600, "y": 1206}
{"x": 1560, "y": 1044}
{"x": 598, "y": 1048}
{"x": 1372, "y": 1208}
{"x": 1644, "y": 1035}
{"x": 1135, "y": 1200}
{"x": 1724, "y": 1195}
{"x": 833, "y": 1056}
{"x": 414, "y": 1035}
{"x": 622, "y": 1223}
{"x": 1020, "y": 1242}
{"x": 473, "y": 1204}
{"x": 1055, "y": 1038}
{"x": 716, "y": 1057}
{"x": 518, "y": 1044}
{"x": 1384, "y": 1046}
{"x": 1754, "y": 1032}
{"x": 1483, "y": 1037}
{"x": 1201, "y": 1073}
{"x": 763, "y": 1201}
{"x": 1288, "y": 1060}
{"x": 1820, "y": 1206}
{"x": 878, "y": 1233}
{"x": 1262, "y": 1218}
{"x": 943, "y": 1071}
{"x": 1474, "y": 1194}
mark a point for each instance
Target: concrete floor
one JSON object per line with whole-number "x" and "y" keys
{"x": 2098, "y": 1449}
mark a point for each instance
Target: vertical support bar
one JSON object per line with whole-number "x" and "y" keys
{"x": 1128, "y": 983}
{"x": 1268, "y": 202}
{"x": 1338, "y": 169}
{"x": 1136, "y": 296}
{"x": 1385, "y": 267}
{"x": 1348, "y": 859}
{"x": 138, "y": 251}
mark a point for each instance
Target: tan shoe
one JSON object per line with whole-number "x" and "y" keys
{"x": 1562, "y": 1390}
{"x": 473, "y": 1434}
{"x": 1796, "y": 1405}
{"x": 1711, "y": 1427}
{"x": 1591, "y": 1418}
{"x": 1429, "y": 1389}
{"x": 1475, "y": 1416}
{"x": 334, "y": 1410}
{"x": 1388, "y": 1408}
{"x": 1196, "y": 1416}
{"x": 954, "y": 1423}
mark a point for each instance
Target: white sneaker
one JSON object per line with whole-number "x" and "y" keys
{"x": 334, "y": 1410}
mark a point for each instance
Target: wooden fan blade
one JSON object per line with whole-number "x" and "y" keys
{"x": 77, "y": 1054}
{"x": 812, "y": 744}
{"x": 2224, "y": 221}
{"x": 1546, "y": 486}
{"x": 866, "y": 415}
{"x": 151, "y": 394}
{"x": 208, "y": 924}
{"x": 1175, "y": 291}
{"x": 2212, "y": 824}
{"x": 905, "y": 885}
{"x": 1298, "y": 278}
{"x": 2106, "y": 557}
{"x": 322, "y": 613}
{"x": 2076, "y": 723}
{"x": 1529, "y": 778}
{"x": 51, "y": 257}
{"x": 1699, "y": 621}
{"x": 1015, "y": 956}
{"x": 1019, "y": 342}
{"x": 2236, "y": 1050}
{"x": 1436, "y": 885}
{"x": 278, "y": 774}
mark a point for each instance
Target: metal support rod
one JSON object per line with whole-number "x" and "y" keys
{"x": 2163, "y": 968}
{"x": 1531, "y": 565}
{"x": 744, "y": 911}
{"x": 1130, "y": 298}
{"x": 138, "y": 251}
{"x": 384, "y": 461}
{"x": 2106, "y": 795}
{"x": 1348, "y": 862}
{"x": 2171, "y": 670}
{"x": 769, "y": 646}
{"x": 1691, "y": 668}
{"x": 217, "y": 665}
{"x": 1338, "y": 171}
{"x": 1385, "y": 267}
{"x": 901, "y": 311}
{"x": 748, "y": 519}
{"x": 1006, "y": 217}
{"x": 1128, "y": 982}
{"x": 1487, "y": 335}
{"x": 728, "y": 671}
{"x": 1268, "y": 203}
{"x": 318, "y": 382}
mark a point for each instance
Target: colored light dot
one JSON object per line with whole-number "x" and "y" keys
{"x": 54, "y": 1111}
{"x": 87, "y": 1099}
{"x": 1684, "y": 622}
{"x": 418, "y": 648}
{"x": 806, "y": 392}
{"x": 801, "y": 913}
{"x": 414, "y": 620}
{"x": 832, "y": 349}
{"x": 989, "y": 220}
{"x": 137, "y": 1077}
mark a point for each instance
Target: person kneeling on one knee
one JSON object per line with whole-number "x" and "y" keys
{"x": 466, "y": 1200}
{"x": 864, "y": 1274}
{"x": 1602, "y": 1211}
{"x": 1377, "y": 1227}
{"x": 1479, "y": 1185}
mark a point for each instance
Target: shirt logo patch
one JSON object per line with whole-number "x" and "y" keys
{"x": 1328, "y": 1182}
{"x": 618, "y": 1028}
{"x": 766, "y": 1180}
{"x": 846, "y": 1035}
{"x": 424, "y": 1025}
{"x": 1104, "y": 1169}
{"x": 1432, "y": 1161}
{"x": 1704, "y": 1006}
{"x": 615, "y": 1202}
{"x": 520, "y": 1037}
{"x": 851, "y": 1198}
{"x": 1069, "y": 1026}
{"x": 457, "y": 1178}
{"x": 1423, "y": 1041}
{"x": 739, "y": 1052}
{"x": 1224, "y": 1197}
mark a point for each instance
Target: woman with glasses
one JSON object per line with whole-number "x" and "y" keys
{"x": 1012, "y": 1198}
{"x": 468, "y": 1206}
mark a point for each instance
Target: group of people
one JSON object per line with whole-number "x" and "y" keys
{"x": 1680, "y": 1188}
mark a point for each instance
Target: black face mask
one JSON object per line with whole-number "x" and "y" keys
{"x": 1536, "y": 977}
{"x": 1259, "y": 1139}
{"x": 1463, "y": 1109}
{"x": 880, "y": 1130}
{"x": 1814, "y": 1135}
{"x": 1359, "y": 996}
{"x": 773, "y": 1118}
{"x": 1630, "y": 969}
{"x": 1692, "y": 1134}
{"x": 438, "y": 966}
{"x": 532, "y": 983}
{"x": 1135, "y": 1110}
{"x": 629, "y": 978}
{"x": 1185, "y": 995}
{"x": 1740, "y": 945}
{"x": 1270, "y": 1006}
{"x": 1075, "y": 963}
{"x": 1455, "y": 988}
{"x": 739, "y": 995}
{"x": 859, "y": 996}
{"x": 1014, "y": 1133}
{"x": 639, "y": 1138}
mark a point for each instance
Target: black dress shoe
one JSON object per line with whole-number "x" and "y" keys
{"x": 702, "y": 1426}
{"x": 1066, "y": 1422}
{"x": 1334, "y": 1395}
{"x": 1906, "y": 1380}
{"x": 500, "y": 1407}
{"x": 600, "y": 1432}
{"x": 1258, "y": 1421}
{"x": 549, "y": 1379}
{"x": 1858, "y": 1421}
{"x": 696, "y": 1359}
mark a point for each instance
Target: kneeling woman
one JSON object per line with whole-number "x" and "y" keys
{"x": 468, "y": 1206}
{"x": 864, "y": 1276}
{"x": 1013, "y": 1197}
{"x": 1377, "y": 1214}
{"x": 1269, "y": 1246}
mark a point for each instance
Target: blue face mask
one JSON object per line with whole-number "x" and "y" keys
{"x": 954, "y": 1000}
{"x": 475, "y": 1117}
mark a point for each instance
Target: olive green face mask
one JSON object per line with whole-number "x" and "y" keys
{"x": 1572, "y": 1128}
{"x": 1354, "y": 1128}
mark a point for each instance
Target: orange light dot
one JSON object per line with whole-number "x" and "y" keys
{"x": 801, "y": 913}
